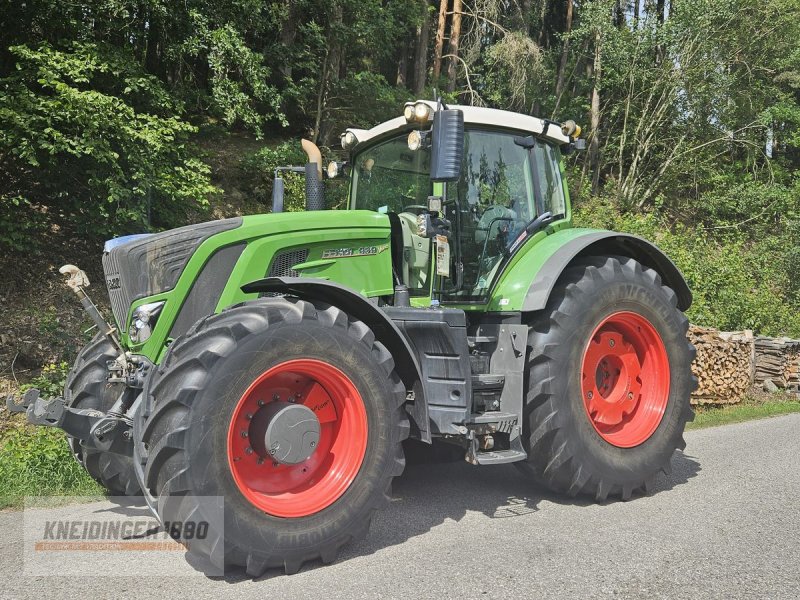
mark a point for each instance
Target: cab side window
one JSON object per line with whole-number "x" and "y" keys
{"x": 548, "y": 178}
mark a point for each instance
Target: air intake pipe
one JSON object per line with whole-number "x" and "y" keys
{"x": 315, "y": 193}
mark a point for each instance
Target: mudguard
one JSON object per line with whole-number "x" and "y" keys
{"x": 386, "y": 331}
{"x": 545, "y": 258}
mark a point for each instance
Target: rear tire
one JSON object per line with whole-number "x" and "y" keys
{"x": 87, "y": 388}
{"x": 609, "y": 380}
{"x": 205, "y": 391}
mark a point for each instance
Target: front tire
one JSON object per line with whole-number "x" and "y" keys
{"x": 212, "y": 401}
{"x": 609, "y": 380}
{"x": 87, "y": 388}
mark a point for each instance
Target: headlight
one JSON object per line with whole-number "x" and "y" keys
{"x": 408, "y": 112}
{"x": 348, "y": 139}
{"x": 143, "y": 321}
{"x": 333, "y": 169}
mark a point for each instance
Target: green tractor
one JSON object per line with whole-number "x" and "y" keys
{"x": 280, "y": 361}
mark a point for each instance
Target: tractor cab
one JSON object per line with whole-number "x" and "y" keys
{"x": 460, "y": 191}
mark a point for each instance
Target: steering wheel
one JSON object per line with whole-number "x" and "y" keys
{"x": 415, "y": 207}
{"x": 492, "y": 214}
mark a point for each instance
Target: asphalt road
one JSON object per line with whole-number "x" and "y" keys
{"x": 725, "y": 524}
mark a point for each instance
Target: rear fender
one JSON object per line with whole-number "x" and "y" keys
{"x": 547, "y": 258}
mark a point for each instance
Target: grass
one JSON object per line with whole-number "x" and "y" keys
{"x": 752, "y": 407}
{"x": 36, "y": 461}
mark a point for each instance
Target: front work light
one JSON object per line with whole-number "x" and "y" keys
{"x": 348, "y": 139}
{"x": 418, "y": 112}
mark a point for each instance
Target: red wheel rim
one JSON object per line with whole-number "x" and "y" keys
{"x": 316, "y": 483}
{"x": 625, "y": 379}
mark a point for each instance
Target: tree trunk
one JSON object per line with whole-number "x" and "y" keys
{"x": 288, "y": 34}
{"x": 562, "y": 64}
{"x": 636, "y": 13}
{"x": 525, "y": 8}
{"x": 440, "y": 28}
{"x": 542, "y": 16}
{"x": 619, "y": 14}
{"x": 402, "y": 66}
{"x": 455, "y": 35}
{"x": 660, "y": 7}
{"x": 421, "y": 53}
{"x": 594, "y": 147}
{"x": 152, "y": 62}
{"x": 330, "y": 74}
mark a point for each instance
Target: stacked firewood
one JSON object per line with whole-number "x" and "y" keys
{"x": 724, "y": 365}
{"x": 778, "y": 359}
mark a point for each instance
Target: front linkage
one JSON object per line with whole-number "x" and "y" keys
{"x": 104, "y": 431}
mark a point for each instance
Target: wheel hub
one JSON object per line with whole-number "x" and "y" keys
{"x": 297, "y": 438}
{"x": 625, "y": 379}
{"x": 286, "y": 433}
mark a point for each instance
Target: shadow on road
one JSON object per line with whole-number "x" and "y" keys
{"x": 436, "y": 488}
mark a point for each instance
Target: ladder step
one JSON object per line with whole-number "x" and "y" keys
{"x": 492, "y": 416}
{"x": 481, "y": 339}
{"x": 499, "y": 457}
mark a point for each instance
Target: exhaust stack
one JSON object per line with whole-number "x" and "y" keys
{"x": 315, "y": 193}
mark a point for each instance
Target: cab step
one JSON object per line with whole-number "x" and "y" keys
{"x": 499, "y": 457}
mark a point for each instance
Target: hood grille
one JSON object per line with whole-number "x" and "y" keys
{"x": 152, "y": 264}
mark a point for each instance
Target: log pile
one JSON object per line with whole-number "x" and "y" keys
{"x": 778, "y": 359}
{"x": 724, "y": 365}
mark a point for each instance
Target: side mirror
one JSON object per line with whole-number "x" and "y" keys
{"x": 447, "y": 145}
{"x": 277, "y": 194}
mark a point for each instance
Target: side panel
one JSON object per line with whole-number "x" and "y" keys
{"x": 351, "y": 247}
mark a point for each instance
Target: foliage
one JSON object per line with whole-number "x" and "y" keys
{"x": 89, "y": 137}
{"x": 51, "y": 381}
{"x": 734, "y": 279}
{"x": 691, "y": 109}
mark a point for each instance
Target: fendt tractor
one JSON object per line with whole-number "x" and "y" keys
{"x": 279, "y": 361}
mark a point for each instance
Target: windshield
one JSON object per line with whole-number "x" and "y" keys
{"x": 388, "y": 177}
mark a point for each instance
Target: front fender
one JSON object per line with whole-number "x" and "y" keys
{"x": 386, "y": 331}
{"x": 528, "y": 280}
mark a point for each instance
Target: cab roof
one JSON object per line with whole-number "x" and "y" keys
{"x": 476, "y": 115}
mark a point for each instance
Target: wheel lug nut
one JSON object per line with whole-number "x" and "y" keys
{"x": 611, "y": 343}
{"x": 274, "y": 463}
{"x": 260, "y": 461}
{"x": 313, "y": 444}
{"x": 275, "y": 397}
{"x": 248, "y": 450}
{"x": 248, "y": 416}
{"x": 630, "y": 395}
{"x": 589, "y": 395}
{"x": 261, "y": 403}
{"x": 244, "y": 434}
